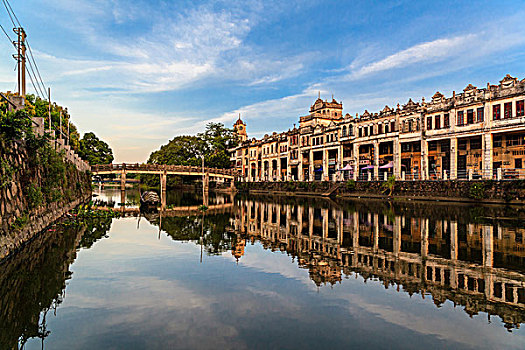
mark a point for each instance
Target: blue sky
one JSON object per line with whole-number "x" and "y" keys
{"x": 138, "y": 73}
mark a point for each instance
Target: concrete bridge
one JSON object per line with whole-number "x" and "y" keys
{"x": 165, "y": 170}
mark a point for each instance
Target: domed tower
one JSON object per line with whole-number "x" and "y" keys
{"x": 240, "y": 129}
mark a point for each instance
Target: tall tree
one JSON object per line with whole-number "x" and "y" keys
{"x": 95, "y": 151}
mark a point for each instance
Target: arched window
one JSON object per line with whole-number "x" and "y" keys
{"x": 344, "y": 131}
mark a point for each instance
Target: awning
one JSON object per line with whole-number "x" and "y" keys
{"x": 319, "y": 170}
{"x": 368, "y": 167}
{"x": 387, "y": 166}
{"x": 347, "y": 167}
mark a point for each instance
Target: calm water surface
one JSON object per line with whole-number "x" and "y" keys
{"x": 272, "y": 273}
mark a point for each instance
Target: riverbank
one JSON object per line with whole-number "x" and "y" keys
{"x": 38, "y": 186}
{"x": 490, "y": 192}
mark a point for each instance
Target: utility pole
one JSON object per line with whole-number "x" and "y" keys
{"x": 21, "y": 60}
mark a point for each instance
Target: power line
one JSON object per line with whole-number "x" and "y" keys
{"x": 17, "y": 21}
{"x": 7, "y": 35}
{"x": 37, "y": 87}
{"x": 31, "y": 57}
{"x": 9, "y": 13}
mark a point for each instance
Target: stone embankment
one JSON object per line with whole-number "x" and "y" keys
{"x": 37, "y": 186}
{"x": 485, "y": 191}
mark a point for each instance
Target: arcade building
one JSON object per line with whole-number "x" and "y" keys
{"x": 478, "y": 133}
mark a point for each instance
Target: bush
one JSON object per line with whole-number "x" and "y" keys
{"x": 477, "y": 190}
{"x": 15, "y": 125}
{"x": 34, "y": 196}
{"x": 350, "y": 185}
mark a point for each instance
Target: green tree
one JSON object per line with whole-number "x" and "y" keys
{"x": 95, "y": 151}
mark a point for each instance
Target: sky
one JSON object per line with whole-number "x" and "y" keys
{"x": 138, "y": 73}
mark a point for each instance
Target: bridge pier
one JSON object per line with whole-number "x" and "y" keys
{"x": 163, "y": 186}
{"x": 206, "y": 189}
{"x": 123, "y": 180}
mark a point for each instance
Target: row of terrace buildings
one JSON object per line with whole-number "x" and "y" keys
{"x": 479, "y": 133}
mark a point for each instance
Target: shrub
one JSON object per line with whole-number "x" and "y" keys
{"x": 477, "y": 190}
{"x": 350, "y": 185}
{"x": 34, "y": 196}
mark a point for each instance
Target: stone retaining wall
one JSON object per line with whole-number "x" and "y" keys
{"x": 20, "y": 218}
{"x": 512, "y": 191}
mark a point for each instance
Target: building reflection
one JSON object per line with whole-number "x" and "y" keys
{"x": 468, "y": 258}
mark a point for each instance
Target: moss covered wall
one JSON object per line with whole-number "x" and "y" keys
{"x": 36, "y": 187}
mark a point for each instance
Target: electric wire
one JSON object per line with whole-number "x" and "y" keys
{"x": 9, "y": 13}
{"x": 13, "y": 12}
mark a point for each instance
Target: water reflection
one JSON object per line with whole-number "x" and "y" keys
{"x": 141, "y": 286}
{"x": 474, "y": 257}
{"x": 32, "y": 282}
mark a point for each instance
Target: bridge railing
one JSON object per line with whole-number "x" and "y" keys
{"x": 161, "y": 167}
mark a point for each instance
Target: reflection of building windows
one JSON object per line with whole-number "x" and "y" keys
{"x": 497, "y": 141}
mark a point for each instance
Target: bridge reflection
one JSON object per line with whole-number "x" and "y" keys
{"x": 453, "y": 253}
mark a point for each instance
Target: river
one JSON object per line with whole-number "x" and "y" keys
{"x": 263, "y": 272}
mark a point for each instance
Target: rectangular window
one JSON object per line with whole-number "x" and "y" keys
{"x": 360, "y": 132}
{"x": 446, "y": 120}
{"x": 508, "y": 110}
{"x": 470, "y": 116}
{"x": 496, "y": 141}
{"x": 520, "y": 111}
{"x": 386, "y": 129}
{"x": 392, "y": 126}
{"x": 459, "y": 118}
{"x": 366, "y": 131}
{"x": 480, "y": 114}
{"x": 496, "y": 112}
{"x": 429, "y": 123}
{"x": 380, "y": 129}
{"x": 371, "y": 130}
{"x": 437, "y": 122}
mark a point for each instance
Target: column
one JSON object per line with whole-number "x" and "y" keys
{"x": 300, "y": 175}
{"x": 325, "y": 165}
{"x": 487, "y": 156}
{"x": 278, "y": 168}
{"x": 424, "y": 160}
{"x": 356, "y": 161}
{"x": 123, "y": 180}
{"x": 339, "y": 166}
{"x": 205, "y": 189}
{"x": 488, "y": 246}
{"x": 397, "y": 158}
{"x": 397, "y": 235}
{"x": 376, "y": 233}
{"x": 453, "y": 240}
{"x": 376, "y": 160}
{"x": 310, "y": 166}
{"x": 453, "y": 158}
{"x": 424, "y": 238}
{"x": 324, "y": 214}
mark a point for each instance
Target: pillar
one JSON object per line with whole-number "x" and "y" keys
{"x": 205, "y": 189}
{"x": 123, "y": 180}
{"x": 397, "y": 158}
{"x": 163, "y": 181}
{"x": 376, "y": 233}
{"x": 339, "y": 166}
{"x": 300, "y": 175}
{"x": 453, "y": 158}
{"x": 424, "y": 160}
{"x": 325, "y": 165}
{"x": 356, "y": 161}
{"x": 397, "y": 235}
{"x": 453, "y": 240}
{"x": 487, "y": 156}
{"x": 376, "y": 161}
{"x": 311, "y": 165}
{"x": 424, "y": 237}
{"x": 324, "y": 214}
{"x": 488, "y": 246}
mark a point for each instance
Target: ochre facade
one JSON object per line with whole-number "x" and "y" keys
{"x": 479, "y": 133}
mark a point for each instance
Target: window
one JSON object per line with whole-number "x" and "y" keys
{"x": 386, "y": 129}
{"x": 410, "y": 126}
{"x": 508, "y": 110}
{"x": 371, "y": 130}
{"x": 366, "y": 131}
{"x": 496, "y": 112}
{"x": 470, "y": 116}
{"x": 446, "y": 120}
{"x": 432, "y": 146}
{"x": 496, "y": 142}
{"x": 360, "y": 132}
{"x": 393, "y": 126}
{"x": 480, "y": 114}
{"x": 405, "y": 147}
{"x": 462, "y": 144}
{"x": 380, "y": 129}
{"x": 520, "y": 111}
{"x": 429, "y": 123}
{"x": 344, "y": 131}
{"x": 437, "y": 122}
{"x": 459, "y": 118}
